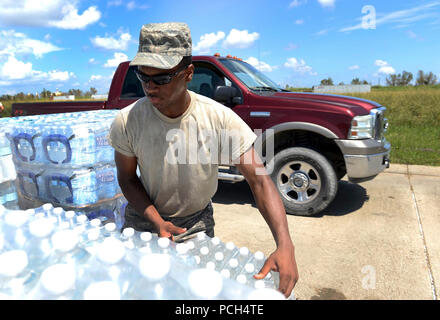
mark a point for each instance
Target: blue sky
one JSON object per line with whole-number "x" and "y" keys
{"x": 65, "y": 44}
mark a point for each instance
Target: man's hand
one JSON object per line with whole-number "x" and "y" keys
{"x": 167, "y": 230}
{"x": 283, "y": 261}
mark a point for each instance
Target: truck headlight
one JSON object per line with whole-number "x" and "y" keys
{"x": 362, "y": 127}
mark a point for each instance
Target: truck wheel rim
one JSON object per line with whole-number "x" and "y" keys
{"x": 299, "y": 182}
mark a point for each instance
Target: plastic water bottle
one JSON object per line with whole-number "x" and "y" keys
{"x": 7, "y": 192}
{"x": 217, "y": 263}
{"x": 243, "y": 256}
{"x": 156, "y": 282}
{"x": 205, "y": 284}
{"x": 183, "y": 255}
{"x": 233, "y": 268}
{"x": 39, "y": 247}
{"x": 16, "y": 279}
{"x": 108, "y": 264}
{"x": 57, "y": 282}
{"x": 7, "y": 168}
{"x": 164, "y": 246}
{"x": 110, "y": 230}
{"x": 146, "y": 242}
{"x": 67, "y": 250}
{"x": 15, "y": 229}
{"x": 107, "y": 181}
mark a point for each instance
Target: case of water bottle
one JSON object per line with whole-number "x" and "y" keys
{"x": 48, "y": 253}
{"x": 64, "y": 158}
{"x": 8, "y": 192}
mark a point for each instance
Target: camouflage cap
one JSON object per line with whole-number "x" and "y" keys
{"x": 163, "y": 45}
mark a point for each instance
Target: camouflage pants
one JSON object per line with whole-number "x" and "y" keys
{"x": 202, "y": 220}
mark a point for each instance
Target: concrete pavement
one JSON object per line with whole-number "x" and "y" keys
{"x": 377, "y": 240}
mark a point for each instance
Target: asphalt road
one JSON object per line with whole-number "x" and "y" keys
{"x": 377, "y": 240}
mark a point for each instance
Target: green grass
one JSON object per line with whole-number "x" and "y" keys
{"x": 414, "y": 123}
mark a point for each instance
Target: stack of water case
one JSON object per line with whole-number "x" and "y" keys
{"x": 49, "y": 253}
{"x": 65, "y": 159}
{"x": 8, "y": 194}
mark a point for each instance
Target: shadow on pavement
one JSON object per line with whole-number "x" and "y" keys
{"x": 350, "y": 197}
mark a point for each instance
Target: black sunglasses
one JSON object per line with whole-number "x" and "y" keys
{"x": 159, "y": 79}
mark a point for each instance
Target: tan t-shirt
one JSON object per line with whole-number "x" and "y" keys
{"x": 178, "y": 158}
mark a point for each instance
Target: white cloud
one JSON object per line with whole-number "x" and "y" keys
{"x": 299, "y": 66}
{"x": 355, "y": 67}
{"x": 385, "y": 67}
{"x": 15, "y": 43}
{"x": 14, "y": 69}
{"x": 111, "y": 43}
{"x": 118, "y": 57}
{"x": 260, "y": 65}
{"x": 95, "y": 77}
{"x": 297, "y": 3}
{"x": 130, "y": 5}
{"x": 327, "y": 3}
{"x": 240, "y": 39}
{"x": 47, "y": 13}
{"x": 299, "y": 22}
{"x": 207, "y": 41}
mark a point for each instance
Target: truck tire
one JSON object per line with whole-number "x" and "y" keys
{"x": 305, "y": 180}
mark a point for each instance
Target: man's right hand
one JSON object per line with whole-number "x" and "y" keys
{"x": 167, "y": 230}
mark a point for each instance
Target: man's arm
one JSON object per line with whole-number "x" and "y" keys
{"x": 137, "y": 196}
{"x": 272, "y": 209}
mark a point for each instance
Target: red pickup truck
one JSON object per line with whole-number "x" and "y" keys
{"x": 308, "y": 141}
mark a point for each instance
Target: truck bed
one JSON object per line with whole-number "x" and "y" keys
{"x": 33, "y": 108}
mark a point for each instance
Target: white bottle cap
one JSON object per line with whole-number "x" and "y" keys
{"x": 41, "y": 227}
{"x": 155, "y": 266}
{"x": 128, "y": 232}
{"x": 47, "y": 206}
{"x": 191, "y": 245}
{"x": 219, "y": 256}
{"x": 82, "y": 218}
{"x": 111, "y": 251}
{"x": 230, "y": 245}
{"x": 241, "y": 278}
{"x": 164, "y": 243}
{"x": 58, "y": 278}
{"x": 249, "y": 267}
{"x": 58, "y": 210}
{"x": 205, "y": 283}
{"x": 266, "y": 294}
{"x": 182, "y": 248}
{"x": 215, "y": 241}
{"x": 201, "y": 236}
{"x": 244, "y": 251}
{"x": 233, "y": 263}
{"x": 13, "y": 262}
{"x": 95, "y": 222}
{"x": 225, "y": 273}
{"x": 65, "y": 240}
{"x": 259, "y": 255}
{"x": 16, "y": 218}
{"x": 210, "y": 265}
{"x": 204, "y": 250}
{"x": 103, "y": 290}
{"x": 70, "y": 214}
{"x": 146, "y": 236}
{"x": 110, "y": 227}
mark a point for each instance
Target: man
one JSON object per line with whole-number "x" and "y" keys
{"x": 173, "y": 194}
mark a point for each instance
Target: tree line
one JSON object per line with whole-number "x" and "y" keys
{"x": 395, "y": 80}
{"x": 47, "y": 94}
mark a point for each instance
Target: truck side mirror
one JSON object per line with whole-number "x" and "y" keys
{"x": 228, "y": 95}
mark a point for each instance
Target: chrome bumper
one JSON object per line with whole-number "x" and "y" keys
{"x": 365, "y": 159}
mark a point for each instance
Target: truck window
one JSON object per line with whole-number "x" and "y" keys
{"x": 132, "y": 87}
{"x": 206, "y": 78}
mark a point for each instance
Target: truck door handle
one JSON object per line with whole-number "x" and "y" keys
{"x": 260, "y": 114}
